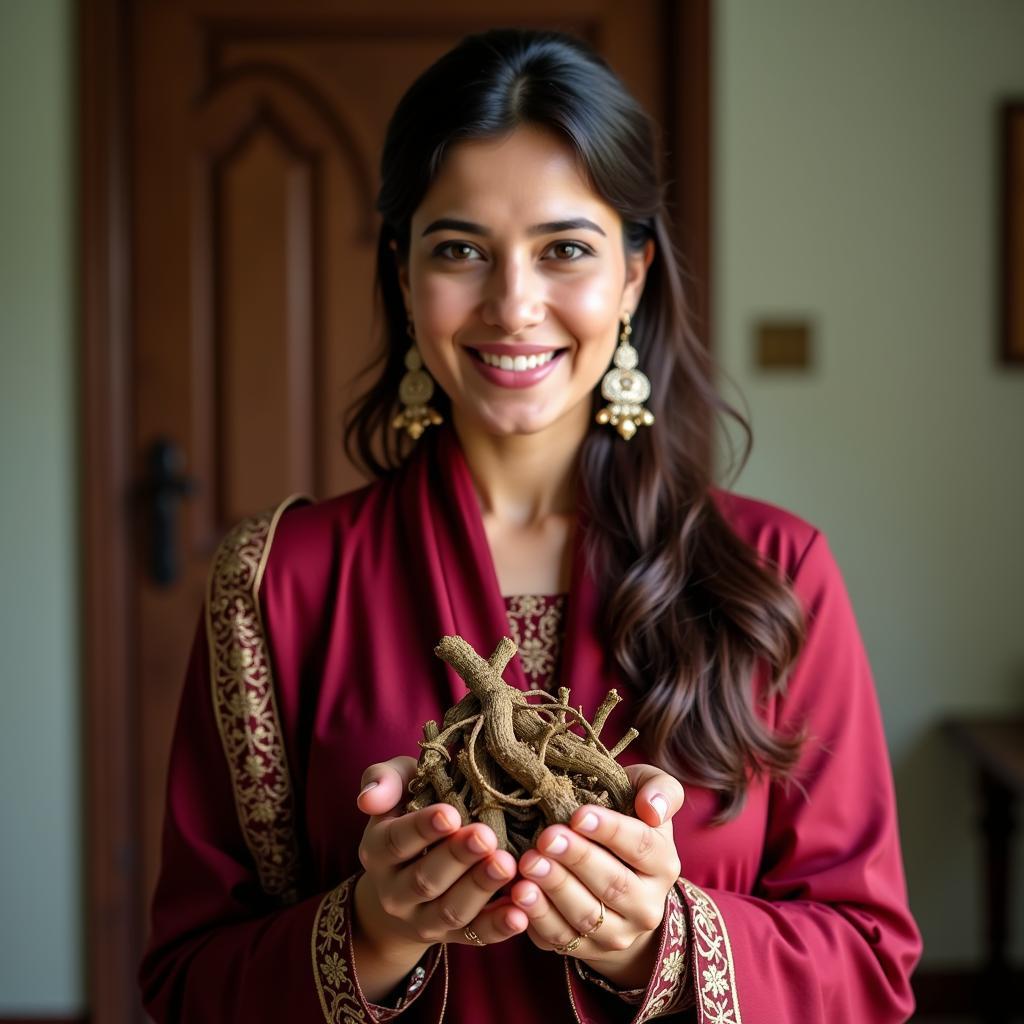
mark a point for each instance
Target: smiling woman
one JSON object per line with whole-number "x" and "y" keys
{"x": 513, "y": 257}
{"x": 533, "y": 320}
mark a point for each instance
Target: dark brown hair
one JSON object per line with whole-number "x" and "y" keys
{"x": 689, "y": 608}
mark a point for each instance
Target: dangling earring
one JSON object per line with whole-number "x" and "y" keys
{"x": 625, "y": 389}
{"x": 415, "y": 391}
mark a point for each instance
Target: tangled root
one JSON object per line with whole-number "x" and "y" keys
{"x": 514, "y": 765}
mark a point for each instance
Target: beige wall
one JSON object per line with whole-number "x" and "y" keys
{"x": 855, "y": 184}
{"x": 40, "y": 827}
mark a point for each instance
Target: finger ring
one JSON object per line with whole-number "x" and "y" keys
{"x": 600, "y": 921}
{"x": 573, "y": 944}
{"x": 473, "y": 937}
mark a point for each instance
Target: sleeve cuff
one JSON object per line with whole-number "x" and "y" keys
{"x": 633, "y": 996}
{"x": 711, "y": 964}
{"x": 341, "y": 998}
{"x": 668, "y": 990}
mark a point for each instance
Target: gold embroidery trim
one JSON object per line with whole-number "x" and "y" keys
{"x": 668, "y": 988}
{"x": 536, "y": 628}
{"x": 666, "y": 991}
{"x": 572, "y": 995}
{"x": 244, "y": 704}
{"x": 334, "y": 984}
{"x": 715, "y": 985}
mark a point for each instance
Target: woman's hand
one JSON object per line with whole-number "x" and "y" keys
{"x": 627, "y": 864}
{"x": 427, "y": 880}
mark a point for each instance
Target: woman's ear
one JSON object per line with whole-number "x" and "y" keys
{"x": 637, "y": 264}
{"x": 402, "y": 269}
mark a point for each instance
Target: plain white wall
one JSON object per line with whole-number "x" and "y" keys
{"x": 41, "y": 836}
{"x": 855, "y": 184}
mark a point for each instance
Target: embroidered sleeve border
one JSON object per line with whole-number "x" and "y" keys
{"x": 714, "y": 975}
{"x": 244, "y": 703}
{"x": 668, "y": 991}
{"x": 341, "y": 998}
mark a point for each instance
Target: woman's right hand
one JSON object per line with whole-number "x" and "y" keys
{"x": 427, "y": 880}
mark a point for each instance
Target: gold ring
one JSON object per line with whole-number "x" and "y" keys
{"x": 600, "y": 921}
{"x": 571, "y": 946}
{"x": 472, "y": 936}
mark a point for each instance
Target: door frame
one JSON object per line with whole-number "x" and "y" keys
{"x": 107, "y": 527}
{"x": 106, "y": 548}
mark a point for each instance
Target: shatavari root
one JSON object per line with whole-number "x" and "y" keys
{"x": 513, "y": 764}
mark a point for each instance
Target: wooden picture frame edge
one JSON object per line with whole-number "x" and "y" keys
{"x": 1011, "y": 228}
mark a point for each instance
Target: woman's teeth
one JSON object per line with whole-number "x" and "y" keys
{"x": 517, "y": 363}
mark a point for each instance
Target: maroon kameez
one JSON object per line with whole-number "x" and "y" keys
{"x": 314, "y": 660}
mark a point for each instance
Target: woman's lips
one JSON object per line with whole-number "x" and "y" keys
{"x": 515, "y": 378}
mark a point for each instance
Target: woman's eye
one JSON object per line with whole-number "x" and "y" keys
{"x": 566, "y": 252}
{"x": 458, "y": 251}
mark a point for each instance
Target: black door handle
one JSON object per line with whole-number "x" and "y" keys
{"x": 163, "y": 488}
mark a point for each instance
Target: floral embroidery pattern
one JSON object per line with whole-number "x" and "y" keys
{"x": 337, "y": 986}
{"x": 673, "y": 965}
{"x": 244, "y": 705}
{"x": 667, "y": 991}
{"x": 535, "y": 624}
{"x": 714, "y": 974}
{"x": 334, "y": 986}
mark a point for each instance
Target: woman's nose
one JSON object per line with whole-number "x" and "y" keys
{"x": 514, "y": 299}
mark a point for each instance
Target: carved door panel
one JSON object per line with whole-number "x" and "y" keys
{"x": 254, "y": 133}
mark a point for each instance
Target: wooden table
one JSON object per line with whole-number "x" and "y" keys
{"x": 995, "y": 747}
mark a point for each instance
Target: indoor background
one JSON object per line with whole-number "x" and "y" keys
{"x": 855, "y": 183}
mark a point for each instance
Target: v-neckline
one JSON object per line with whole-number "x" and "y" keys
{"x": 468, "y": 503}
{"x": 449, "y": 553}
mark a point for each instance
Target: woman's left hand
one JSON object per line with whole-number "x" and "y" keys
{"x": 626, "y": 864}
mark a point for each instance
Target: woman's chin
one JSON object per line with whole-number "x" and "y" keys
{"x": 515, "y": 428}
{"x": 524, "y": 423}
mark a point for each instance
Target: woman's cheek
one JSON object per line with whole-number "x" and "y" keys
{"x": 591, "y": 314}
{"x": 591, "y": 303}
{"x": 443, "y": 304}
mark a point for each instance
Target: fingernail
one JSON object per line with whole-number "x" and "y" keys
{"x": 368, "y": 787}
{"x": 529, "y": 899}
{"x": 476, "y": 844}
{"x": 558, "y": 845}
{"x": 539, "y": 868}
{"x": 441, "y": 823}
{"x": 588, "y": 823}
{"x": 495, "y": 870}
{"x": 660, "y": 805}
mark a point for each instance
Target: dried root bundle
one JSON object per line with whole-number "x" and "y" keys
{"x": 513, "y": 764}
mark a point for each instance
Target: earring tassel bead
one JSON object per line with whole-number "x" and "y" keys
{"x": 415, "y": 419}
{"x": 625, "y": 418}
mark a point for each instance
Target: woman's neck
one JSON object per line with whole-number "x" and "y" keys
{"x": 522, "y": 479}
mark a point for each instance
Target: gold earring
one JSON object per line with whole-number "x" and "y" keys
{"x": 625, "y": 389}
{"x": 414, "y": 391}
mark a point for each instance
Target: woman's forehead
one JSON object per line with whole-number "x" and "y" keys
{"x": 530, "y": 176}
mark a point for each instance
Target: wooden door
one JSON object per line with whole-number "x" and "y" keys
{"x": 252, "y": 134}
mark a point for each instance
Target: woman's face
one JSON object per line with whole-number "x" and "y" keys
{"x": 516, "y": 283}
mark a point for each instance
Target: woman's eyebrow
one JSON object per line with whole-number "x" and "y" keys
{"x": 550, "y": 227}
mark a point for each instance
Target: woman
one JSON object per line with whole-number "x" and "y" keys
{"x": 544, "y": 474}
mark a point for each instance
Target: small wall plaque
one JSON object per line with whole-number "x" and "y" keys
{"x": 783, "y": 345}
